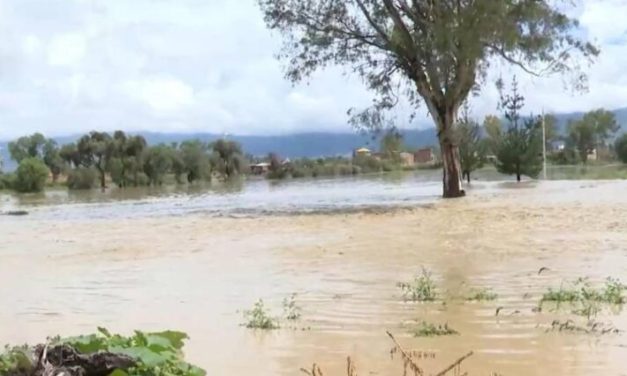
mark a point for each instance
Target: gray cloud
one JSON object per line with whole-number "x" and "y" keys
{"x": 68, "y": 66}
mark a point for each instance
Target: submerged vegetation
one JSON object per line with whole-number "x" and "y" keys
{"x": 421, "y": 289}
{"x": 260, "y": 317}
{"x": 582, "y": 290}
{"x": 102, "y": 353}
{"x": 425, "y": 329}
{"x": 483, "y": 294}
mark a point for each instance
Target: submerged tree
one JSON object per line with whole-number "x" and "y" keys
{"x": 472, "y": 147}
{"x": 96, "y": 150}
{"x": 437, "y": 51}
{"x": 227, "y": 158}
{"x": 519, "y": 149}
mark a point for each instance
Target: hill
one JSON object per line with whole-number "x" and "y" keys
{"x": 310, "y": 145}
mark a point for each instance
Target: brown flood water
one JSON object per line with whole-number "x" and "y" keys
{"x": 196, "y": 273}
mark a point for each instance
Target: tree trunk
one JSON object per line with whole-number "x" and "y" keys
{"x": 103, "y": 183}
{"x": 518, "y": 177}
{"x": 452, "y": 172}
{"x": 468, "y": 177}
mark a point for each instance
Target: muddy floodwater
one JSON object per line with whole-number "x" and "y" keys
{"x": 74, "y": 265}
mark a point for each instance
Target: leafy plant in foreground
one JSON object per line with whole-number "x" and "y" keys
{"x": 421, "y": 289}
{"x": 155, "y": 354}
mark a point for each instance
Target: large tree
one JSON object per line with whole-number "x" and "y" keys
{"x": 592, "y": 131}
{"x": 96, "y": 150}
{"x": 436, "y": 51}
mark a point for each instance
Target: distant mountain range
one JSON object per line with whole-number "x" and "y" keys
{"x": 310, "y": 145}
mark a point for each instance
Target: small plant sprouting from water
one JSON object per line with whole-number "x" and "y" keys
{"x": 425, "y": 329}
{"x": 259, "y": 318}
{"x": 421, "y": 289}
{"x": 291, "y": 310}
{"x": 483, "y": 294}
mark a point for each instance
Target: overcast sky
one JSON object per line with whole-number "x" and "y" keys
{"x": 69, "y": 66}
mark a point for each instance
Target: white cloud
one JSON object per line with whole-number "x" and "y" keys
{"x": 161, "y": 94}
{"x": 69, "y": 66}
{"x": 67, "y": 50}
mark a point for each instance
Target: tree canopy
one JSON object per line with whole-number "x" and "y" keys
{"x": 592, "y": 131}
{"x": 434, "y": 52}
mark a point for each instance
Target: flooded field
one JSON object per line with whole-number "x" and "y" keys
{"x": 171, "y": 262}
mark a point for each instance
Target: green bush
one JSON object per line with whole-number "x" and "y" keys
{"x": 31, "y": 176}
{"x": 7, "y": 181}
{"x": 565, "y": 157}
{"x": 368, "y": 163}
{"x": 621, "y": 148}
{"x": 298, "y": 173}
{"x": 82, "y": 178}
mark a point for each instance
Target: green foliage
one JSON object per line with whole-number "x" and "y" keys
{"x": 367, "y": 163}
{"x": 425, "y": 51}
{"x": 70, "y": 155}
{"x": 158, "y": 160}
{"x": 620, "y": 146}
{"x": 227, "y": 158}
{"x": 82, "y": 178}
{"x": 519, "y": 150}
{"x": 581, "y": 289}
{"x": 592, "y": 131}
{"x": 31, "y": 176}
{"x": 52, "y": 159}
{"x": 156, "y": 354}
{"x": 472, "y": 148}
{"x": 7, "y": 181}
{"x": 421, "y": 289}
{"x": 567, "y": 156}
{"x": 126, "y": 162}
{"x": 481, "y": 295}
{"x": 27, "y": 147}
{"x": 96, "y": 150}
{"x": 425, "y": 329}
{"x": 195, "y": 160}
{"x": 259, "y": 318}
{"x": 392, "y": 145}
{"x": 584, "y": 298}
{"x": 291, "y": 311}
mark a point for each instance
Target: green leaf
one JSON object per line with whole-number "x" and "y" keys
{"x": 86, "y": 344}
{"x": 104, "y": 332}
{"x": 175, "y": 338}
{"x": 141, "y": 354}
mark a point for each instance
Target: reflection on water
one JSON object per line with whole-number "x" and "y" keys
{"x": 196, "y": 273}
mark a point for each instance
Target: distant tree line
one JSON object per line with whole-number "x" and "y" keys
{"x": 514, "y": 145}
{"x": 125, "y": 160}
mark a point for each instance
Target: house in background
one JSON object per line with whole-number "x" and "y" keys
{"x": 424, "y": 156}
{"x": 362, "y": 152}
{"x": 407, "y": 159}
{"x": 260, "y": 168}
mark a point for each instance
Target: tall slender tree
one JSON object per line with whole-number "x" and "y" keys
{"x": 425, "y": 50}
